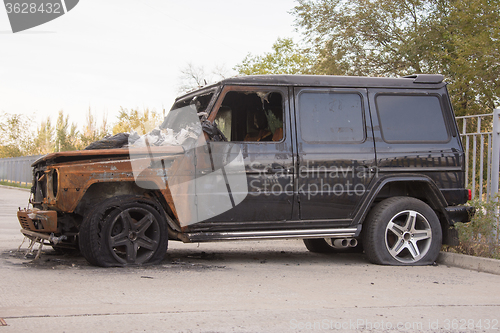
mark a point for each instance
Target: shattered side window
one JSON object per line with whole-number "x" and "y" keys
{"x": 181, "y": 127}
{"x": 198, "y": 104}
{"x": 202, "y": 181}
{"x": 251, "y": 116}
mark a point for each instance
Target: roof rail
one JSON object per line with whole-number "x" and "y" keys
{"x": 425, "y": 78}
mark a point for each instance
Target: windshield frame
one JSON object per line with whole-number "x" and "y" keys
{"x": 215, "y": 89}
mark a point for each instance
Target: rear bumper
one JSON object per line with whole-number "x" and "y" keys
{"x": 460, "y": 213}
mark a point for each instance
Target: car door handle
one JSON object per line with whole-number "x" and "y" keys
{"x": 275, "y": 168}
{"x": 364, "y": 168}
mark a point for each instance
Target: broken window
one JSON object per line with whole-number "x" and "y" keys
{"x": 198, "y": 104}
{"x": 251, "y": 116}
{"x": 181, "y": 126}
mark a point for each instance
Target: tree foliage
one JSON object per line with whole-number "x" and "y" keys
{"x": 458, "y": 38}
{"x": 44, "y": 140}
{"x": 286, "y": 58}
{"x": 16, "y": 137}
{"x": 66, "y": 136}
{"x": 135, "y": 120}
{"x": 20, "y": 137}
{"x": 467, "y": 51}
{"x": 92, "y": 131}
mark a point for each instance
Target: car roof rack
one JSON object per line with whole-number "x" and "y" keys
{"x": 425, "y": 78}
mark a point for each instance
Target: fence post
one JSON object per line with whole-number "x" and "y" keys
{"x": 495, "y": 163}
{"x": 495, "y": 156}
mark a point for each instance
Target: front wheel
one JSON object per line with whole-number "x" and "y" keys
{"x": 402, "y": 231}
{"x": 122, "y": 231}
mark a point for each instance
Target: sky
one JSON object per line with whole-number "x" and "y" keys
{"x": 107, "y": 54}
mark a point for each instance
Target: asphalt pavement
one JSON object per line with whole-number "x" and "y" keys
{"x": 254, "y": 286}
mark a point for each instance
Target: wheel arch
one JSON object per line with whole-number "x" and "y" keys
{"x": 101, "y": 191}
{"x": 419, "y": 187}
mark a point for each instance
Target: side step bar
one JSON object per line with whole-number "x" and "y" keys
{"x": 274, "y": 234}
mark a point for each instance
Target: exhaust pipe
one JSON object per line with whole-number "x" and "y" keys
{"x": 341, "y": 243}
{"x": 345, "y": 242}
{"x": 353, "y": 242}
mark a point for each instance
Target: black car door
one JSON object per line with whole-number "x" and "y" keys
{"x": 336, "y": 155}
{"x": 256, "y": 123}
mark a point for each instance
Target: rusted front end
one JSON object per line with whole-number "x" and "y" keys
{"x": 39, "y": 226}
{"x": 38, "y": 220}
{"x": 68, "y": 185}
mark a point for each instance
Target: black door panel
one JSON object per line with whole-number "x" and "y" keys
{"x": 336, "y": 156}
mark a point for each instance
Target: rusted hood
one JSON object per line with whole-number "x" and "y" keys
{"x": 100, "y": 154}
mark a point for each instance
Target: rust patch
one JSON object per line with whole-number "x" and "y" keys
{"x": 38, "y": 220}
{"x": 67, "y": 177}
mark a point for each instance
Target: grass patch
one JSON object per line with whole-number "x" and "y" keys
{"x": 480, "y": 236}
{"x": 12, "y": 184}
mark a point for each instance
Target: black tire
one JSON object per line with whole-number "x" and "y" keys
{"x": 124, "y": 231}
{"x": 323, "y": 245}
{"x": 402, "y": 231}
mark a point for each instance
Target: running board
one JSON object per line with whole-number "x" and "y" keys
{"x": 273, "y": 234}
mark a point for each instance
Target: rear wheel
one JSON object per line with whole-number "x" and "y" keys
{"x": 122, "y": 231}
{"x": 402, "y": 231}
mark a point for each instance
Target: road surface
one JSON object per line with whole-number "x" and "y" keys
{"x": 266, "y": 286}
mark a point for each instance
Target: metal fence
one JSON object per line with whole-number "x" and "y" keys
{"x": 481, "y": 140}
{"x": 17, "y": 169}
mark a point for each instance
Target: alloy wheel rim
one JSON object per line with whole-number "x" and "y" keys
{"x": 408, "y": 236}
{"x": 134, "y": 236}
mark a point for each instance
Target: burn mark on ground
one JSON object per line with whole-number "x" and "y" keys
{"x": 51, "y": 259}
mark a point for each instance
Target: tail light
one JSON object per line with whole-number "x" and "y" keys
{"x": 469, "y": 196}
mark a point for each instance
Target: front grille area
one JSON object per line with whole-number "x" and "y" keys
{"x": 38, "y": 220}
{"x": 23, "y": 220}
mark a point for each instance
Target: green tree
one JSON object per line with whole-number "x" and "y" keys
{"x": 458, "y": 38}
{"x": 135, "y": 120}
{"x": 44, "y": 140}
{"x": 467, "y": 51}
{"x": 66, "y": 137}
{"x": 16, "y": 137}
{"x": 286, "y": 58}
{"x": 92, "y": 131}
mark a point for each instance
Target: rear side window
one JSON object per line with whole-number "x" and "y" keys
{"x": 331, "y": 117}
{"x": 411, "y": 118}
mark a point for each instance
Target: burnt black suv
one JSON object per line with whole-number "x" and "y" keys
{"x": 337, "y": 161}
